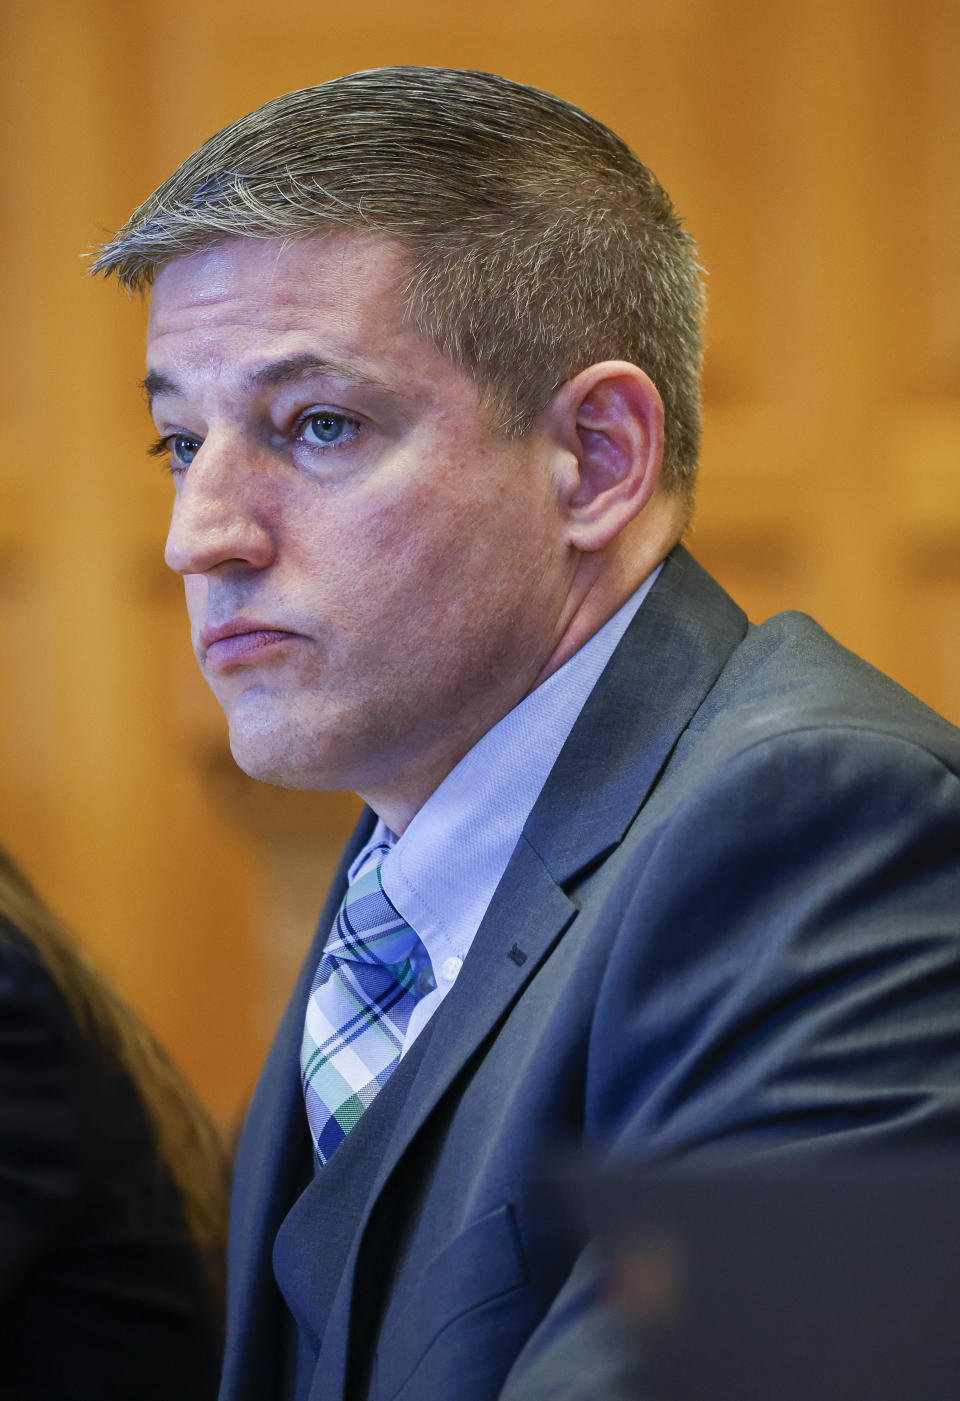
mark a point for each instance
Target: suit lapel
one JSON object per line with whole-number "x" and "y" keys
{"x": 527, "y": 915}
{"x": 667, "y": 662}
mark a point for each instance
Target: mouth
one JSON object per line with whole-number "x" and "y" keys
{"x": 240, "y": 641}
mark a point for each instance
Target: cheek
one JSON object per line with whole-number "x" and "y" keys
{"x": 410, "y": 537}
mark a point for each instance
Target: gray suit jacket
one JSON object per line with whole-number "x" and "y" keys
{"x": 737, "y": 907}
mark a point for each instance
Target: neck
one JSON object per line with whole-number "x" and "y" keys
{"x": 605, "y": 580}
{"x": 601, "y": 583}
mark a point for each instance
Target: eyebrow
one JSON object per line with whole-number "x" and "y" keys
{"x": 156, "y": 384}
{"x": 274, "y": 375}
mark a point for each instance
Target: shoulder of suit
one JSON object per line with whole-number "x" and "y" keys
{"x": 790, "y": 677}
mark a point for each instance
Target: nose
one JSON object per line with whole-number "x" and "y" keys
{"x": 219, "y": 519}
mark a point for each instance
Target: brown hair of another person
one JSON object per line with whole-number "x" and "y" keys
{"x": 187, "y": 1142}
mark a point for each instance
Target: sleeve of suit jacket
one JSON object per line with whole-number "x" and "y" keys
{"x": 813, "y": 884}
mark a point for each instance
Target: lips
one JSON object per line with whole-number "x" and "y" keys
{"x": 240, "y": 640}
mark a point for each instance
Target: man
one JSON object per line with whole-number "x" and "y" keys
{"x": 637, "y": 878}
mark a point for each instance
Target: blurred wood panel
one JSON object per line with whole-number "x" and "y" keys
{"x": 813, "y": 148}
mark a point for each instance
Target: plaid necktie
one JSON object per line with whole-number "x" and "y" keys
{"x": 360, "y": 1004}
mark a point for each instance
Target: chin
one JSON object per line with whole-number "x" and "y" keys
{"x": 280, "y": 757}
{"x": 269, "y": 762}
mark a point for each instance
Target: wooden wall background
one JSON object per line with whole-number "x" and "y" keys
{"x": 813, "y": 147}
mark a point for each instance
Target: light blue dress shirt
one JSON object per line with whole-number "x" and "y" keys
{"x": 442, "y": 872}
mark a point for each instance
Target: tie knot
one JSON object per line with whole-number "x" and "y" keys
{"x": 368, "y": 928}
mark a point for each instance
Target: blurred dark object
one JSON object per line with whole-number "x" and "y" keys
{"x": 826, "y": 1284}
{"x": 113, "y": 1186}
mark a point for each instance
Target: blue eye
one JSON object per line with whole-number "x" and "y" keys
{"x": 327, "y": 428}
{"x": 177, "y": 449}
{"x": 182, "y": 449}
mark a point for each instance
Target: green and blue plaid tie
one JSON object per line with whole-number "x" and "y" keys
{"x": 360, "y": 1004}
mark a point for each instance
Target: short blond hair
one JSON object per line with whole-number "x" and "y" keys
{"x": 538, "y": 242}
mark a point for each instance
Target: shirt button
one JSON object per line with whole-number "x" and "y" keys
{"x": 450, "y": 968}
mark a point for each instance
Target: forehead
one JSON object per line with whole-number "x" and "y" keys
{"x": 245, "y": 296}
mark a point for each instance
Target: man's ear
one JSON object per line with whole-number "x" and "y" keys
{"x": 609, "y": 421}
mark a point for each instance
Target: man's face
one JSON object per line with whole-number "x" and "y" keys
{"x": 373, "y": 576}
